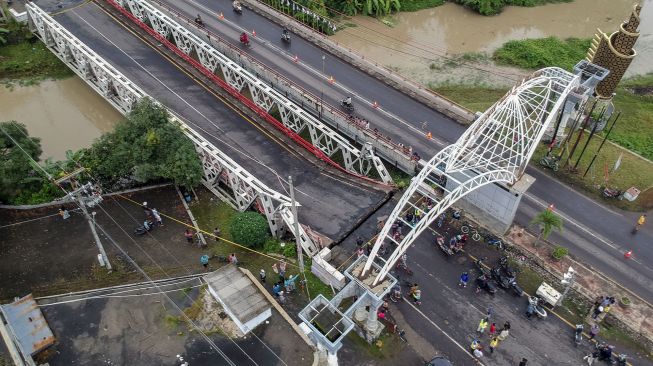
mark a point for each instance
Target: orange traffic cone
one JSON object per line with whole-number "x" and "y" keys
{"x": 628, "y": 254}
{"x": 375, "y": 104}
{"x": 253, "y": 33}
{"x": 429, "y": 136}
{"x": 296, "y": 59}
{"x": 221, "y": 16}
{"x": 331, "y": 80}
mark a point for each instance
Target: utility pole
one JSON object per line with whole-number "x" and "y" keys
{"x": 293, "y": 208}
{"x": 86, "y": 195}
{"x": 322, "y": 89}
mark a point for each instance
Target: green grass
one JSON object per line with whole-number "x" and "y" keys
{"x": 473, "y": 97}
{"x": 492, "y": 7}
{"x": 210, "y": 213}
{"x": 29, "y": 63}
{"x": 634, "y": 129}
{"x": 633, "y": 172}
{"x": 542, "y": 52}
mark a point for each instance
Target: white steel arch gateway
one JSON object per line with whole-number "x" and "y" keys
{"x": 496, "y": 148}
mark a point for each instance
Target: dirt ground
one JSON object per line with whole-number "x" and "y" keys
{"x": 44, "y": 254}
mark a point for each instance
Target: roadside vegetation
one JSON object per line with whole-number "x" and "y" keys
{"x": 143, "y": 148}
{"x": 25, "y": 59}
{"x": 542, "y": 52}
{"x": 492, "y": 7}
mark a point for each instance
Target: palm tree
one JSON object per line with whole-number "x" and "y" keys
{"x": 547, "y": 220}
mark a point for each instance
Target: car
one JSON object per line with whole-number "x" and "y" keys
{"x": 439, "y": 361}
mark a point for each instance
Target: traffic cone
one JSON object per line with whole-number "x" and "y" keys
{"x": 296, "y": 59}
{"x": 221, "y": 16}
{"x": 375, "y": 104}
{"x": 253, "y": 33}
{"x": 429, "y": 136}
{"x": 628, "y": 254}
{"x": 331, "y": 80}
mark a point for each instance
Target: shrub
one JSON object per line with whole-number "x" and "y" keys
{"x": 559, "y": 252}
{"x": 249, "y": 228}
{"x": 543, "y": 52}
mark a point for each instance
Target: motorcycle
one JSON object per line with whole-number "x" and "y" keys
{"x": 505, "y": 282}
{"x": 238, "y": 8}
{"x": 535, "y": 307}
{"x": 611, "y": 192}
{"x": 395, "y": 296}
{"x": 578, "y": 334}
{"x": 505, "y": 267}
{"x": 349, "y": 107}
{"x": 495, "y": 242}
{"x": 550, "y": 162}
{"x": 147, "y": 226}
{"x": 285, "y": 36}
{"x": 484, "y": 282}
{"x": 199, "y": 21}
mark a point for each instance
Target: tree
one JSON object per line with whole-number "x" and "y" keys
{"x": 145, "y": 146}
{"x": 249, "y": 228}
{"x": 17, "y": 171}
{"x": 547, "y": 220}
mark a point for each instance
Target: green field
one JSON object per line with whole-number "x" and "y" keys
{"x": 29, "y": 63}
{"x": 542, "y": 52}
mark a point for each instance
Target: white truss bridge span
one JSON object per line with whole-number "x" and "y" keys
{"x": 222, "y": 175}
{"x": 495, "y": 149}
{"x": 294, "y": 117}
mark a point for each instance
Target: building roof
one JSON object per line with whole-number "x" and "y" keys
{"x": 28, "y": 327}
{"x": 237, "y": 293}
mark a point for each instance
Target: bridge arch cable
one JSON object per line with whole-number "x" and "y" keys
{"x": 496, "y": 148}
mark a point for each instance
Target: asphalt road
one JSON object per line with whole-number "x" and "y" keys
{"x": 328, "y": 204}
{"x": 596, "y": 234}
{"x": 446, "y": 321}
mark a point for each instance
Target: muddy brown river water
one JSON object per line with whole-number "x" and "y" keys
{"x": 66, "y": 114}
{"x": 452, "y": 29}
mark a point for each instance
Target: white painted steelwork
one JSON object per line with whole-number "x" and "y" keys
{"x": 220, "y": 171}
{"x": 495, "y": 149}
{"x": 358, "y": 161}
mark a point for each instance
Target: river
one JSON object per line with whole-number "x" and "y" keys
{"x": 66, "y": 114}
{"x": 452, "y": 29}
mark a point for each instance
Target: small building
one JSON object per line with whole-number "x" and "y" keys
{"x": 24, "y": 330}
{"x": 239, "y": 297}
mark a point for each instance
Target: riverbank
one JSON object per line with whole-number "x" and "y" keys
{"x": 28, "y": 63}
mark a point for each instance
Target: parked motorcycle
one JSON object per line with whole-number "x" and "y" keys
{"x": 147, "y": 226}
{"x": 505, "y": 282}
{"x": 395, "y": 295}
{"x": 535, "y": 306}
{"x": 611, "y": 192}
{"x": 495, "y": 242}
{"x": 578, "y": 334}
{"x": 484, "y": 280}
{"x": 550, "y": 162}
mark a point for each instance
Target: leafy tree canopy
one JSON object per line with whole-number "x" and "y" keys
{"x": 17, "y": 171}
{"x": 249, "y": 228}
{"x": 145, "y": 146}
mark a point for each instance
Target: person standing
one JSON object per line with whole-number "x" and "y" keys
{"x": 503, "y": 334}
{"x": 261, "y": 275}
{"x": 489, "y": 312}
{"x": 233, "y": 259}
{"x": 146, "y": 210}
{"x": 493, "y": 330}
{"x": 594, "y": 330}
{"x": 482, "y": 325}
{"x": 506, "y": 325}
{"x": 591, "y": 357}
{"x": 157, "y": 217}
{"x": 493, "y": 344}
{"x": 523, "y": 362}
{"x": 640, "y": 222}
{"x": 464, "y": 278}
{"x": 204, "y": 260}
{"x": 216, "y": 234}
{"x": 189, "y": 236}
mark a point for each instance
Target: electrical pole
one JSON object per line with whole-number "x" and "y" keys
{"x": 86, "y": 195}
{"x": 293, "y": 208}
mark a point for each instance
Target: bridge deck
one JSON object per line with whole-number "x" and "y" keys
{"x": 329, "y": 205}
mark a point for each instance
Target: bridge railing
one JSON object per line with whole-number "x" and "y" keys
{"x": 222, "y": 175}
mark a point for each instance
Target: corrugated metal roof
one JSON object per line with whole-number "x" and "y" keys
{"x": 28, "y": 326}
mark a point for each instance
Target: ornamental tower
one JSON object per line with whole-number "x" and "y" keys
{"x": 615, "y": 52}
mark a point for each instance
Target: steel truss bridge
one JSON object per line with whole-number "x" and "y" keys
{"x": 222, "y": 175}
{"x": 495, "y": 149}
